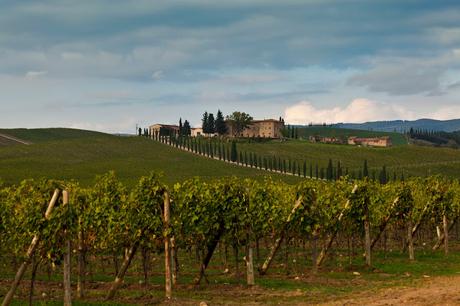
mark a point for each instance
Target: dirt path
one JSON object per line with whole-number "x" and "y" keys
{"x": 14, "y": 139}
{"x": 431, "y": 291}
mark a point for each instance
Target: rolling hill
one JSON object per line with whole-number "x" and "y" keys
{"x": 405, "y": 125}
{"x": 80, "y": 155}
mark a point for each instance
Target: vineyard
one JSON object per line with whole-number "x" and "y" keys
{"x": 264, "y": 226}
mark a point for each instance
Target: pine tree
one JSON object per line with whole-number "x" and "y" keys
{"x": 187, "y": 130}
{"x": 221, "y": 127}
{"x": 204, "y": 124}
{"x": 211, "y": 124}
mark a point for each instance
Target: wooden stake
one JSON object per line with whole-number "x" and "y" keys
{"x": 410, "y": 240}
{"x": 168, "y": 282}
{"x": 30, "y": 252}
{"x": 122, "y": 272}
{"x": 328, "y": 245}
{"x": 277, "y": 244}
{"x": 67, "y": 262}
{"x": 250, "y": 265}
{"x": 445, "y": 226}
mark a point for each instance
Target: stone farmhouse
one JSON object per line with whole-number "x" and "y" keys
{"x": 267, "y": 128}
{"x": 384, "y": 141}
{"x": 163, "y": 129}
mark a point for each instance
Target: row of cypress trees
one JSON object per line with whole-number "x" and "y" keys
{"x": 227, "y": 151}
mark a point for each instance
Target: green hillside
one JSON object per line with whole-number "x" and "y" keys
{"x": 51, "y": 134}
{"x": 80, "y": 155}
{"x": 412, "y": 160}
{"x": 397, "y": 139}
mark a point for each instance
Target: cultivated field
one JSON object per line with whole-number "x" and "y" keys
{"x": 81, "y": 155}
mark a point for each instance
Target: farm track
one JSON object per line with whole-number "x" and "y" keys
{"x": 13, "y": 139}
{"x": 443, "y": 290}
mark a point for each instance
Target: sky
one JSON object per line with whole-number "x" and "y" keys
{"x": 108, "y": 65}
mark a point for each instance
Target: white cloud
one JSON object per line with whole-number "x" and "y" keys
{"x": 35, "y": 74}
{"x": 157, "y": 75}
{"x": 359, "y": 110}
{"x": 447, "y": 112}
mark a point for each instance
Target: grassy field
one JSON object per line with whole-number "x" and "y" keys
{"x": 336, "y": 281}
{"x": 81, "y": 155}
{"x": 410, "y": 159}
{"x": 397, "y": 139}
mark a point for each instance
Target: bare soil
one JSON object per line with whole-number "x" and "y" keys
{"x": 429, "y": 291}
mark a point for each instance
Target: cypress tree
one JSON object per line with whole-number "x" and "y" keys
{"x": 304, "y": 169}
{"x": 365, "y": 170}
{"x": 317, "y": 171}
{"x": 234, "y": 153}
{"x": 280, "y": 168}
{"x": 383, "y": 175}
{"x": 339, "y": 170}
{"x": 224, "y": 157}
{"x": 228, "y": 153}
{"x": 329, "y": 170}
{"x": 322, "y": 173}
{"x": 255, "y": 160}
{"x": 219, "y": 146}
{"x": 311, "y": 170}
{"x": 293, "y": 170}
{"x": 290, "y": 165}
{"x": 251, "y": 160}
{"x": 240, "y": 160}
{"x": 284, "y": 165}
{"x": 260, "y": 162}
{"x": 265, "y": 164}
{"x": 246, "y": 158}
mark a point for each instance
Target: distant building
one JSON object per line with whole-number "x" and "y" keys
{"x": 332, "y": 140}
{"x": 163, "y": 129}
{"x": 195, "y": 132}
{"x": 268, "y": 128}
{"x": 384, "y": 141}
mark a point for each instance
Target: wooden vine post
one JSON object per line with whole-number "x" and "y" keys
{"x": 328, "y": 245}
{"x": 30, "y": 252}
{"x": 445, "y": 226}
{"x": 67, "y": 262}
{"x": 367, "y": 234}
{"x": 279, "y": 240}
{"x": 410, "y": 239}
{"x": 168, "y": 281}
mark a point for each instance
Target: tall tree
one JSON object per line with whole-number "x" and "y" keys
{"x": 239, "y": 121}
{"x": 365, "y": 170}
{"x": 219, "y": 123}
{"x": 181, "y": 132}
{"x": 187, "y": 130}
{"x": 211, "y": 124}
{"x": 204, "y": 123}
{"x": 234, "y": 153}
{"x": 329, "y": 170}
